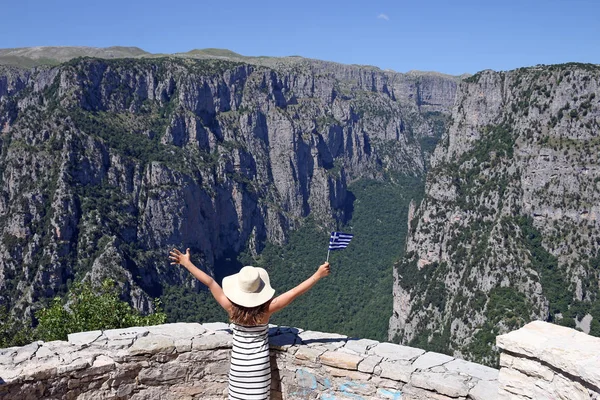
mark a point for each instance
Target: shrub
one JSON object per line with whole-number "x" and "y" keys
{"x": 88, "y": 309}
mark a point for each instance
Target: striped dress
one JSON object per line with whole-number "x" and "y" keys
{"x": 250, "y": 370}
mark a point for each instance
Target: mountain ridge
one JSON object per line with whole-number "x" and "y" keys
{"x": 28, "y": 57}
{"x": 106, "y": 164}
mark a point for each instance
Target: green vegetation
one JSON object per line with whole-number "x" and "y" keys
{"x": 506, "y": 307}
{"x": 12, "y": 331}
{"x": 554, "y": 284}
{"x": 439, "y": 123}
{"x": 84, "y": 308}
{"x": 356, "y": 299}
{"x": 116, "y": 132}
{"x": 91, "y": 309}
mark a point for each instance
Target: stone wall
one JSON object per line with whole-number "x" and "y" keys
{"x": 190, "y": 361}
{"x": 546, "y": 361}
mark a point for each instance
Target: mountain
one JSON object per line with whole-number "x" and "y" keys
{"x": 106, "y": 164}
{"x": 35, "y": 56}
{"x": 508, "y": 230}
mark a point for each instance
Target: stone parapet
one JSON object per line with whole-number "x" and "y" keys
{"x": 547, "y": 361}
{"x": 191, "y": 361}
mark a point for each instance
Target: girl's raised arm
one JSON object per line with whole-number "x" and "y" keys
{"x": 178, "y": 257}
{"x": 286, "y": 298}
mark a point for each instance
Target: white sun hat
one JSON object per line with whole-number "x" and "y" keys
{"x": 248, "y": 288}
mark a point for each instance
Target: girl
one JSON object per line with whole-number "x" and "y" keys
{"x": 248, "y": 299}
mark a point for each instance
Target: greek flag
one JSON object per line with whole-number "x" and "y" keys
{"x": 339, "y": 240}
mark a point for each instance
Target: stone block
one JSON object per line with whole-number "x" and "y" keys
{"x": 453, "y": 385}
{"x": 124, "y": 391}
{"x": 398, "y": 371}
{"x": 178, "y": 329}
{"x": 51, "y": 349}
{"x": 306, "y": 379}
{"x": 391, "y": 394}
{"x": 386, "y": 383}
{"x": 391, "y": 351}
{"x": 165, "y": 373}
{"x": 430, "y": 360}
{"x": 26, "y": 352}
{"x": 83, "y": 338}
{"x": 369, "y": 363}
{"x": 40, "y": 370}
{"x": 308, "y": 353}
{"x": 360, "y": 346}
{"x": 7, "y": 354}
{"x": 354, "y": 388}
{"x": 125, "y": 333}
{"x": 410, "y": 392}
{"x": 217, "y": 368}
{"x": 532, "y": 368}
{"x": 472, "y": 369}
{"x": 216, "y": 326}
{"x": 183, "y": 345}
{"x": 330, "y": 341}
{"x": 517, "y": 383}
{"x": 152, "y": 344}
{"x": 346, "y": 373}
{"x": 10, "y": 375}
{"x": 561, "y": 388}
{"x": 566, "y": 349}
{"x": 484, "y": 390}
{"x": 210, "y": 342}
{"x": 101, "y": 365}
{"x": 340, "y": 360}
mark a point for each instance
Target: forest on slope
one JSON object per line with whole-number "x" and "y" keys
{"x": 509, "y": 227}
{"x": 356, "y": 299}
{"x": 107, "y": 164}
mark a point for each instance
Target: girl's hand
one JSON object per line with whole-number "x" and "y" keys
{"x": 323, "y": 270}
{"x": 179, "y": 258}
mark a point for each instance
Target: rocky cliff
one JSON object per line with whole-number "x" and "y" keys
{"x": 105, "y": 164}
{"x": 509, "y": 228}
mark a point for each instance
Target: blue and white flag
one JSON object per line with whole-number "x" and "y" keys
{"x": 339, "y": 240}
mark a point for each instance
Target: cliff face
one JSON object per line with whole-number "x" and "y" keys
{"x": 105, "y": 165}
{"x": 509, "y": 227}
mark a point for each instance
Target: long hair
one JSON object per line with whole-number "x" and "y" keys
{"x": 248, "y": 316}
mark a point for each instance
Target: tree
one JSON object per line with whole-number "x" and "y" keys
{"x": 88, "y": 309}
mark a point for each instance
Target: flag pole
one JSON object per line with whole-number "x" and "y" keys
{"x": 328, "y": 250}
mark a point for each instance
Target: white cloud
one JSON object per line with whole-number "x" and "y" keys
{"x": 383, "y": 16}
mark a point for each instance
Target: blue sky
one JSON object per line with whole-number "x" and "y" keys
{"x": 436, "y": 35}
